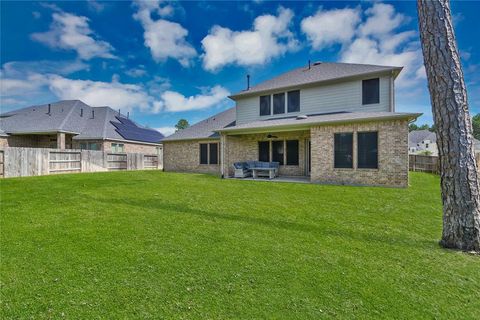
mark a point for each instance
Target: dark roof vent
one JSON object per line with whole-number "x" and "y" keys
{"x": 302, "y": 117}
{"x": 317, "y": 63}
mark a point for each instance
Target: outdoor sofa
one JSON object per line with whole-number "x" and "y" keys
{"x": 256, "y": 169}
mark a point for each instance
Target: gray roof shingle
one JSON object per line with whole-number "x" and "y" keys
{"x": 319, "y": 72}
{"x": 65, "y": 116}
{"x": 418, "y": 136}
{"x": 205, "y": 129}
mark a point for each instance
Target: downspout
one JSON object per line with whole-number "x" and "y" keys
{"x": 222, "y": 154}
{"x": 392, "y": 93}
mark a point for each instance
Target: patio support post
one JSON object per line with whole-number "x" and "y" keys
{"x": 222, "y": 154}
{"x": 60, "y": 140}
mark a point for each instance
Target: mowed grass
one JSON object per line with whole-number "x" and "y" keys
{"x": 185, "y": 246}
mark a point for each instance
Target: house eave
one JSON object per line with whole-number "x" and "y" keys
{"x": 308, "y": 125}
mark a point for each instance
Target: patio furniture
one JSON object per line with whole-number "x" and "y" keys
{"x": 256, "y": 169}
{"x": 241, "y": 170}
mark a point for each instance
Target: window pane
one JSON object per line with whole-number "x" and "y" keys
{"x": 83, "y": 146}
{"x": 343, "y": 150}
{"x": 371, "y": 91}
{"x": 294, "y": 101}
{"x": 203, "y": 153}
{"x": 213, "y": 153}
{"x": 367, "y": 150}
{"x": 263, "y": 151}
{"x": 277, "y": 151}
{"x": 292, "y": 152}
{"x": 121, "y": 147}
{"x": 279, "y": 103}
{"x": 265, "y": 105}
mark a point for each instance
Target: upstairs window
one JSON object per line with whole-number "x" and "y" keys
{"x": 294, "y": 101}
{"x": 367, "y": 150}
{"x": 371, "y": 91}
{"x": 279, "y": 103}
{"x": 343, "y": 150}
{"x": 208, "y": 153}
{"x": 265, "y": 109}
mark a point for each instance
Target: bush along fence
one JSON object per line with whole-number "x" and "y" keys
{"x": 23, "y": 162}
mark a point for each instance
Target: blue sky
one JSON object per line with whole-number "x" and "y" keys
{"x": 162, "y": 61}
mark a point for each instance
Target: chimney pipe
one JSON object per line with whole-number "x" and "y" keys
{"x": 49, "y": 109}
{"x": 309, "y": 63}
{"x": 93, "y": 114}
{"x": 81, "y": 112}
{"x": 248, "y": 82}
{"x": 119, "y": 112}
{"x": 128, "y": 114}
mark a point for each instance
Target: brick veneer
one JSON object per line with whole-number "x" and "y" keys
{"x": 185, "y": 156}
{"x": 392, "y": 155}
{"x": 245, "y": 147}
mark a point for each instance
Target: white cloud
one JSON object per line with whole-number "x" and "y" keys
{"x": 19, "y": 68}
{"x": 164, "y": 38}
{"x": 97, "y": 93}
{"x": 382, "y": 19}
{"x": 71, "y": 32}
{"x": 166, "y": 131}
{"x": 371, "y": 38}
{"x": 155, "y": 96}
{"x": 269, "y": 38}
{"x": 326, "y": 28}
{"x": 176, "y": 102}
{"x": 136, "y": 72}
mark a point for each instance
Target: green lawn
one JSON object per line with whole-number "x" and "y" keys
{"x": 166, "y": 245}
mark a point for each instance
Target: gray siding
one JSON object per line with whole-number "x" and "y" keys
{"x": 344, "y": 96}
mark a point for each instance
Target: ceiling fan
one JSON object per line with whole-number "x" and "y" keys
{"x": 270, "y": 136}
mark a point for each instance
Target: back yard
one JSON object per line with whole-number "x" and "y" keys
{"x": 166, "y": 245}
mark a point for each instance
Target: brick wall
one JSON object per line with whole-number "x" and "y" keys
{"x": 184, "y": 156}
{"x": 128, "y": 147}
{"x": 245, "y": 147}
{"x": 392, "y": 155}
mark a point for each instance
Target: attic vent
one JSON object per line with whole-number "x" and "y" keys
{"x": 317, "y": 63}
{"x": 302, "y": 117}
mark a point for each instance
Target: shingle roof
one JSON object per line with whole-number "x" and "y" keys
{"x": 318, "y": 72}
{"x": 418, "y": 136}
{"x": 205, "y": 129}
{"x": 330, "y": 118}
{"x": 69, "y": 116}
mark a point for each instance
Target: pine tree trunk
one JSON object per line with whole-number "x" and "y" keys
{"x": 458, "y": 168}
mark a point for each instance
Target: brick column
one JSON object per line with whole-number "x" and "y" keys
{"x": 61, "y": 141}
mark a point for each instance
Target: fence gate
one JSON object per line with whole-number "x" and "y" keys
{"x": 117, "y": 161}
{"x": 64, "y": 161}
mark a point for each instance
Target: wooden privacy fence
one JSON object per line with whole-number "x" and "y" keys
{"x": 423, "y": 163}
{"x": 23, "y": 162}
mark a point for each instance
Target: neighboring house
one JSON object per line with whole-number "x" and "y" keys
{"x": 425, "y": 142}
{"x": 422, "y": 142}
{"x": 72, "y": 124}
{"x": 332, "y": 122}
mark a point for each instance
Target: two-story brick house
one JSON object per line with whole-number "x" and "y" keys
{"x": 331, "y": 122}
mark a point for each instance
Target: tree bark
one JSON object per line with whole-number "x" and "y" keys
{"x": 458, "y": 168}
